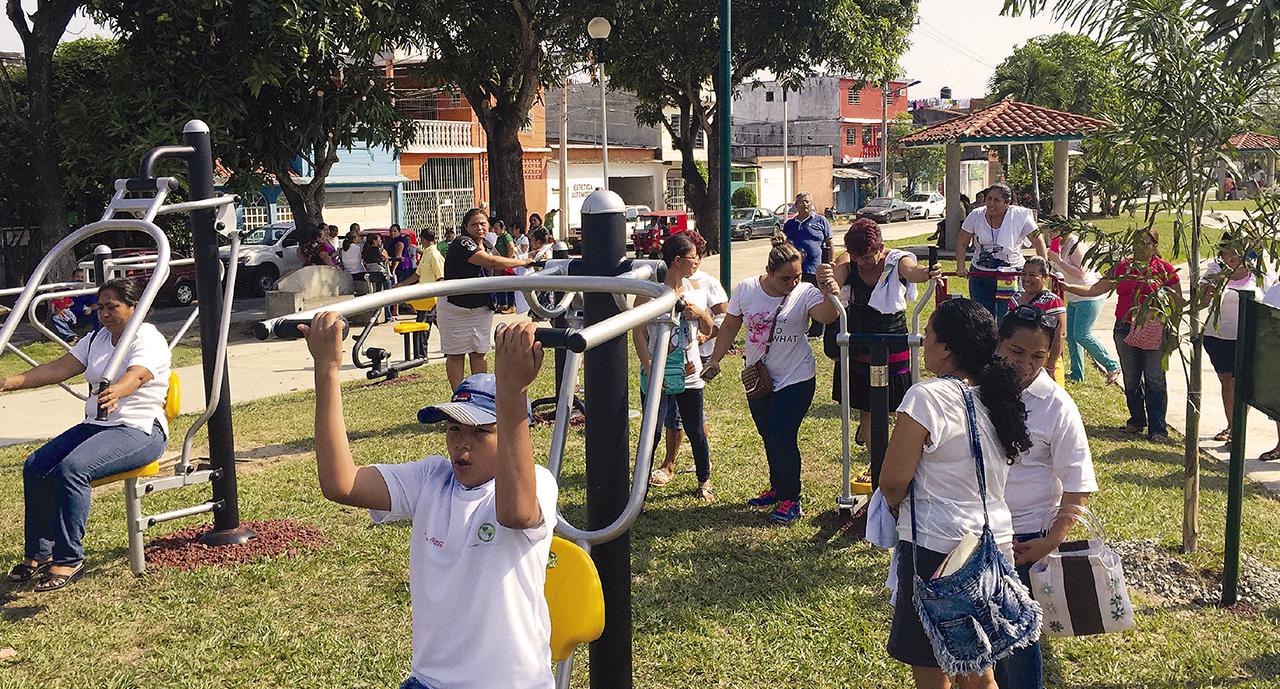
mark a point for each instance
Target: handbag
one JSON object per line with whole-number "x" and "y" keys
{"x": 755, "y": 377}
{"x": 1080, "y": 586}
{"x": 674, "y": 368}
{"x": 981, "y": 612}
{"x": 1148, "y": 336}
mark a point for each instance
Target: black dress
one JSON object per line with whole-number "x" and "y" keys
{"x": 865, "y": 319}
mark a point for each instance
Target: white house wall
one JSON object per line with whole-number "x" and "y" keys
{"x": 584, "y": 178}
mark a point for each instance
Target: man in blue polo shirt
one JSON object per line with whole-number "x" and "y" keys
{"x": 808, "y": 232}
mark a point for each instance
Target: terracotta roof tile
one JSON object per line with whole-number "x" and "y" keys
{"x": 1253, "y": 141}
{"x": 1007, "y": 119}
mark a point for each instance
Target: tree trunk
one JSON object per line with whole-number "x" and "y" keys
{"x": 39, "y": 42}
{"x": 506, "y": 171}
{"x": 305, "y": 200}
{"x": 1191, "y": 454}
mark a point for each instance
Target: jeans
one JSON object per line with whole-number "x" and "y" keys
{"x": 983, "y": 291}
{"x": 379, "y": 282}
{"x": 62, "y": 327}
{"x": 413, "y": 683}
{"x": 689, "y": 404}
{"x": 1024, "y": 668}
{"x": 1144, "y": 384}
{"x": 56, "y": 478}
{"x": 1081, "y": 315}
{"x": 777, "y": 417}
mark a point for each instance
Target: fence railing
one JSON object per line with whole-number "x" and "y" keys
{"x": 432, "y": 135}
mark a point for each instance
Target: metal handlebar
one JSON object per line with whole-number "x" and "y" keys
{"x": 915, "y": 316}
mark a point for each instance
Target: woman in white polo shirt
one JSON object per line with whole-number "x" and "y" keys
{"x": 1000, "y": 230}
{"x": 1058, "y": 469}
{"x": 56, "y": 477}
{"x": 776, "y": 308}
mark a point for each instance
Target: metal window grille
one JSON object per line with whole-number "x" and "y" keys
{"x": 851, "y": 136}
{"x": 855, "y": 96}
{"x": 284, "y": 213}
{"x": 254, "y": 213}
{"x": 444, "y": 190}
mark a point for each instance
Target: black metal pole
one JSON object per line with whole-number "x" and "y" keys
{"x": 879, "y": 399}
{"x": 101, "y": 254}
{"x": 608, "y": 443}
{"x": 1239, "y": 425}
{"x": 204, "y": 240}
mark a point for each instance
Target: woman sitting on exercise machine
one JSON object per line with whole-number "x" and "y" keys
{"x": 124, "y": 429}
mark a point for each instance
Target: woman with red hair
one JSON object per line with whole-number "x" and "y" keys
{"x": 877, "y": 283}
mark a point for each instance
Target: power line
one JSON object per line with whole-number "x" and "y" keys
{"x": 949, "y": 42}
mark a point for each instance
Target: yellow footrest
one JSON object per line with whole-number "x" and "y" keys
{"x": 149, "y": 470}
{"x": 405, "y": 328}
{"x": 857, "y": 488}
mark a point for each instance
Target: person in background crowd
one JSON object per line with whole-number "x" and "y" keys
{"x": 1221, "y": 330}
{"x": 332, "y": 236}
{"x": 450, "y": 234}
{"x": 465, "y": 321}
{"x": 399, "y": 252}
{"x": 56, "y": 477}
{"x": 351, "y": 252}
{"x": 1229, "y": 188}
{"x": 315, "y": 250}
{"x": 930, "y": 452}
{"x": 535, "y": 221}
{"x": 491, "y": 237}
{"x": 1068, "y": 255}
{"x": 377, "y": 266}
{"x": 1057, "y": 470}
{"x": 62, "y": 320}
{"x": 1000, "y": 230}
{"x": 810, "y": 233}
{"x": 504, "y": 245}
{"x": 1136, "y": 280}
{"x": 718, "y": 302}
{"x": 877, "y": 284}
{"x": 1272, "y": 299}
{"x": 776, "y": 308}
{"x": 682, "y": 258}
{"x": 1036, "y": 293}
{"x": 520, "y": 237}
{"x": 550, "y": 222}
{"x": 85, "y": 306}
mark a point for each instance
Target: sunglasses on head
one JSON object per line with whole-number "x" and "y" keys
{"x": 1032, "y": 314}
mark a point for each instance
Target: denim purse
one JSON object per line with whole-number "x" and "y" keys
{"x": 981, "y": 612}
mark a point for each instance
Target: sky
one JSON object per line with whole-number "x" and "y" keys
{"x": 955, "y": 43}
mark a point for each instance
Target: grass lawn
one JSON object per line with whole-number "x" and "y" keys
{"x": 44, "y": 351}
{"x": 721, "y": 598}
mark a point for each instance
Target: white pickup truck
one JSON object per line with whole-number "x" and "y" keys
{"x": 266, "y": 254}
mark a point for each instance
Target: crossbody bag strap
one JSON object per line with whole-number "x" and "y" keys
{"x": 975, "y": 445}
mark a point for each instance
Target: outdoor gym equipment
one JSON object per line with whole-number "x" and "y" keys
{"x": 854, "y": 495}
{"x": 599, "y": 282}
{"x": 144, "y": 198}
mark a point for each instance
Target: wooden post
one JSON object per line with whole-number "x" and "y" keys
{"x": 955, "y": 211}
{"x": 1061, "y": 180}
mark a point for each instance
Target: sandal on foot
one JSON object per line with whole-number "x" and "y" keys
{"x": 660, "y": 477}
{"x": 1132, "y": 429}
{"x": 706, "y": 492}
{"x": 53, "y": 582}
{"x": 1223, "y": 436}
{"x": 24, "y": 572}
{"x": 1270, "y": 455}
{"x": 857, "y": 437}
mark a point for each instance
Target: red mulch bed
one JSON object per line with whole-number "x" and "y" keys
{"x": 576, "y": 419}
{"x": 183, "y": 550}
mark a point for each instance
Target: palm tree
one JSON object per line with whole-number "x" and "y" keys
{"x": 1030, "y": 76}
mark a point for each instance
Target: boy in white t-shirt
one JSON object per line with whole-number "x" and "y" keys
{"x": 482, "y": 518}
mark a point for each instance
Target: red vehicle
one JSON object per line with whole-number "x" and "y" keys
{"x": 653, "y": 228}
{"x": 180, "y": 288}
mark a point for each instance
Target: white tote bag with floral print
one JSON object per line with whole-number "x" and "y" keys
{"x": 1080, "y": 586}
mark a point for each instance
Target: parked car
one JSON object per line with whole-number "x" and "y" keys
{"x": 927, "y": 205}
{"x": 654, "y": 228}
{"x": 785, "y": 212}
{"x": 749, "y": 223}
{"x": 266, "y": 254}
{"x": 885, "y": 210}
{"x": 179, "y": 289}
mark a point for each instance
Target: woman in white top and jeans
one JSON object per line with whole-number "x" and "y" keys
{"x": 776, "y": 308}
{"x": 1082, "y": 312}
{"x": 1057, "y": 470}
{"x": 125, "y": 428}
{"x": 930, "y": 449}
{"x": 682, "y": 258}
{"x": 1000, "y": 230}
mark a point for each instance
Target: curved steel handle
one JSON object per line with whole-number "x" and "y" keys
{"x": 846, "y": 458}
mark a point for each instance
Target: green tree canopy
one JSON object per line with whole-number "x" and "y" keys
{"x": 917, "y": 163}
{"x": 1062, "y": 71}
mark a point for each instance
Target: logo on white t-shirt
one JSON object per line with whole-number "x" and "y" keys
{"x": 487, "y": 532}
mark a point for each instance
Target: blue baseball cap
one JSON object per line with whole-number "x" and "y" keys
{"x": 474, "y": 403}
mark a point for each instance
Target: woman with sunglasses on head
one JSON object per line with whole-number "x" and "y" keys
{"x": 1057, "y": 470}
{"x": 1000, "y": 229}
{"x": 776, "y": 308}
{"x": 682, "y": 258}
{"x": 877, "y": 284}
{"x": 931, "y": 452}
{"x": 1137, "y": 280}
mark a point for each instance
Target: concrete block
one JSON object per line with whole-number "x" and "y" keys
{"x": 317, "y": 281}
{"x": 281, "y": 303}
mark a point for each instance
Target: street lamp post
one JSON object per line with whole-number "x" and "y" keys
{"x": 598, "y": 29}
{"x": 885, "y": 95}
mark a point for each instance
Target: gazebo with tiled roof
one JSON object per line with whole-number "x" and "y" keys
{"x": 1262, "y": 146}
{"x": 1005, "y": 122}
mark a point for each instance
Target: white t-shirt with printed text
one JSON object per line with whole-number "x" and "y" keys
{"x": 790, "y": 359}
{"x": 948, "y": 503}
{"x": 1059, "y": 459}
{"x": 480, "y": 616}
{"x": 145, "y": 407}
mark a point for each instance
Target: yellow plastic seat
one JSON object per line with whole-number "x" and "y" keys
{"x": 411, "y": 327}
{"x": 423, "y": 304}
{"x": 149, "y": 470}
{"x": 575, "y": 599}
{"x": 172, "y": 405}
